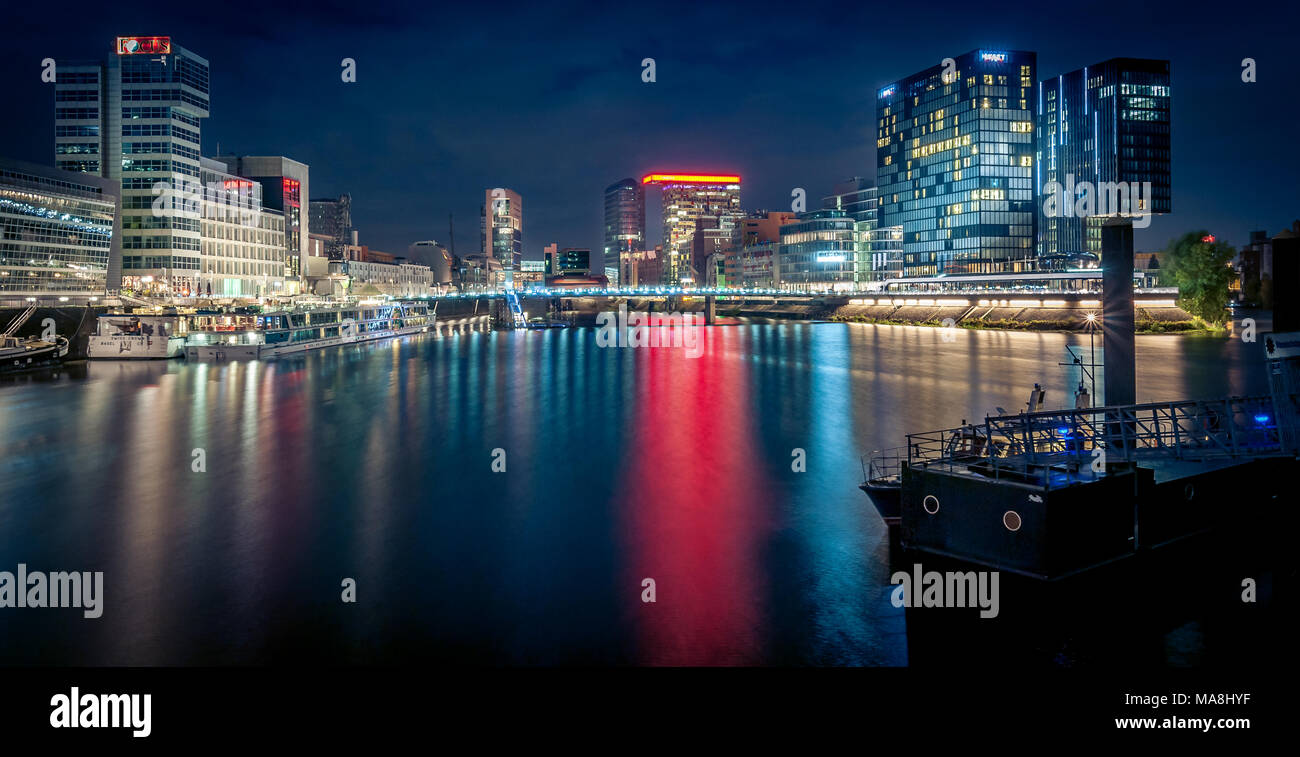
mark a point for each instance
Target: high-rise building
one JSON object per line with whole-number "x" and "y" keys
{"x": 624, "y": 222}
{"x": 60, "y": 233}
{"x": 686, "y": 199}
{"x": 502, "y": 230}
{"x": 817, "y": 252}
{"x": 135, "y": 119}
{"x": 1102, "y": 126}
{"x": 333, "y": 218}
{"x": 955, "y": 151}
{"x": 285, "y": 188}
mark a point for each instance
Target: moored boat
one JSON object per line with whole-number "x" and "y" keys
{"x": 129, "y": 336}
{"x": 262, "y": 335}
{"x": 24, "y": 354}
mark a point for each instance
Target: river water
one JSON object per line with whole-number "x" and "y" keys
{"x": 375, "y": 463}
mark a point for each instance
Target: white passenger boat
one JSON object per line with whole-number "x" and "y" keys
{"x": 254, "y": 336}
{"x": 120, "y": 336}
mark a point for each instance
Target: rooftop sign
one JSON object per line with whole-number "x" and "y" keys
{"x": 144, "y": 45}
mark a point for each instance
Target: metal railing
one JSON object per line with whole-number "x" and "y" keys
{"x": 884, "y": 465}
{"x": 1062, "y": 447}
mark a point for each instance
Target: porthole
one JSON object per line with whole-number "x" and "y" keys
{"x": 1011, "y": 519}
{"x": 931, "y": 504}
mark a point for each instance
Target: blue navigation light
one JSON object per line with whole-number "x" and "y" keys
{"x": 1262, "y": 419}
{"x": 1063, "y": 431}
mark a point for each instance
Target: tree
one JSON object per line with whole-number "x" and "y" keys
{"x": 1201, "y": 267}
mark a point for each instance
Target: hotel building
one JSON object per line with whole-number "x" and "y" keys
{"x": 243, "y": 250}
{"x": 1101, "y": 125}
{"x": 60, "y": 233}
{"x": 135, "y": 119}
{"x": 624, "y": 224}
{"x": 286, "y": 189}
{"x": 686, "y": 199}
{"x": 955, "y": 164}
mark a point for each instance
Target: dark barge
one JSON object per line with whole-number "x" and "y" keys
{"x": 1052, "y": 494}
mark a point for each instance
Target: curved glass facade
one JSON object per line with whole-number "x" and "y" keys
{"x": 56, "y": 232}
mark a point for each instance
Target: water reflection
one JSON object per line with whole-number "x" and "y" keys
{"x": 374, "y": 462}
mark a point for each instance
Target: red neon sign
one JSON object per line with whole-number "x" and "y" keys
{"x": 144, "y": 45}
{"x": 689, "y": 178}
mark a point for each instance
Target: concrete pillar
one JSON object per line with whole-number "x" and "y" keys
{"x": 1118, "y": 356}
{"x": 710, "y": 309}
{"x": 1286, "y": 282}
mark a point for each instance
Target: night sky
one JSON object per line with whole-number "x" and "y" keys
{"x": 547, "y": 98}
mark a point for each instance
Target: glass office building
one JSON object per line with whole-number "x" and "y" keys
{"x": 871, "y": 250}
{"x": 59, "y": 233}
{"x": 818, "y": 252}
{"x": 135, "y": 119}
{"x": 1102, "y": 125}
{"x": 624, "y": 223}
{"x": 955, "y": 164}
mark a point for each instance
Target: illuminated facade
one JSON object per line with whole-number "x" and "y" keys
{"x": 874, "y": 257}
{"x": 624, "y": 223}
{"x": 243, "y": 248}
{"x": 571, "y": 261}
{"x": 818, "y": 252}
{"x": 955, "y": 164}
{"x": 285, "y": 188}
{"x": 686, "y": 199}
{"x": 135, "y": 119}
{"x": 59, "y": 233}
{"x": 502, "y": 230}
{"x": 1103, "y": 124}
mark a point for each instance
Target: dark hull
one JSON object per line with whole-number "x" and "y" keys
{"x": 888, "y": 500}
{"x": 32, "y": 359}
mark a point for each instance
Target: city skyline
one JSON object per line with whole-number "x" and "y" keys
{"x": 434, "y": 156}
